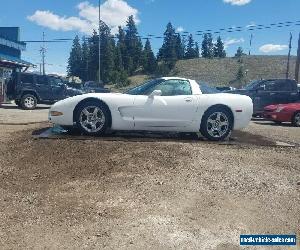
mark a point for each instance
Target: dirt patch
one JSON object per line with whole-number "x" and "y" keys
{"x": 134, "y": 194}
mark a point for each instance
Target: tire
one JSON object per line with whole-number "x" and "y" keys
{"x": 296, "y": 119}
{"x": 28, "y": 102}
{"x": 216, "y": 124}
{"x": 90, "y": 122}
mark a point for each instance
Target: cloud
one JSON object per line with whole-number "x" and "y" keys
{"x": 113, "y": 12}
{"x": 231, "y": 41}
{"x": 237, "y": 2}
{"x": 268, "y": 48}
{"x": 55, "y": 22}
{"x": 179, "y": 29}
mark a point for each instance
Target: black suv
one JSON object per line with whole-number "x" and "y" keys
{"x": 267, "y": 92}
{"x": 28, "y": 90}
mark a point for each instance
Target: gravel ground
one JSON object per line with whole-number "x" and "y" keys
{"x": 101, "y": 194}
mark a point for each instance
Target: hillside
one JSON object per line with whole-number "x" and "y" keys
{"x": 222, "y": 71}
{"x": 219, "y": 72}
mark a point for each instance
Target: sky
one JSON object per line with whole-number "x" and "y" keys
{"x": 67, "y": 18}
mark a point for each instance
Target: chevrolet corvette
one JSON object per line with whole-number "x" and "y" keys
{"x": 169, "y": 104}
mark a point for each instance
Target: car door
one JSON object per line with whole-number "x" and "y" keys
{"x": 58, "y": 89}
{"x": 266, "y": 94}
{"x": 43, "y": 88}
{"x": 175, "y": 108}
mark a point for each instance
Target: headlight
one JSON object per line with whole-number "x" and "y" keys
{"x": 55, "y": 113}
{"x": 279, "y": 109}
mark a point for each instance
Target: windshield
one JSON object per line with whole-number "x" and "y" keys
{"x": 251, "y": 85}
{"x": 142, "y": 89}
{"x": 206, "y": 89}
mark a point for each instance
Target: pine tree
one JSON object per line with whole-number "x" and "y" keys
{"x": 75, "y": 59}
{"x": 191, "y": 50}
{"x": 149, "y": 60}
{"x": 121, "y": 47}
{"x": 207, "y": 46}
{"x": 167, "y": 53}
{"x": 219, "y": 50}
{"x": 197, "y": 50}
{"x": 134, "y": 47}
{"x": 107, "y": 54}
{"x": 239, "y": 53}
{"x": 93, "y": 61}
{"x": 240, "y": 74}
{"x": 84, "y": 60}
{"x": 180, "y": 47}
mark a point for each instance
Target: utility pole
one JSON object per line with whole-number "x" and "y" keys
{"x": 289, "y": 56}
{"x": 251, "y": 38}
{"x": 43, "y": 52}
{"x": 298, "y": 62}
{"x": 99, "y": 43}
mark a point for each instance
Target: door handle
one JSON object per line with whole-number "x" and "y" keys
{"x": 188, "y": 99}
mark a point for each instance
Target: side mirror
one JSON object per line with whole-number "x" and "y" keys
{"x": 155, "y": 93}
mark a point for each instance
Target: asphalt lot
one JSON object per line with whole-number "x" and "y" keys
{"x": 142, "y": 193}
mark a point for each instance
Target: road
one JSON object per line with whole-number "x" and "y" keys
{"x": 143, "y": 194}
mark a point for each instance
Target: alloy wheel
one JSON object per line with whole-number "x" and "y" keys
{"x": 92, "y": 119}
{"x": 217, "y": 124}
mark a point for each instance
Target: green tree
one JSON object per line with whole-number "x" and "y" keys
{"x": 149, "y": 60}
{"x": 240, "y": 74}
{"x": 239, "y": 53}
{"x": 207, "y": 46}
{"x": 75, "y": 59}
{"x": 191, "y": 50}
{"x": 93, "y": 61}
{"x": 168, "y": 53}
{"x": 84, "y": 60}
{"x": 219, "y": 50}
{"x": 134, "y": 47}
{"x": 179, "y": 47}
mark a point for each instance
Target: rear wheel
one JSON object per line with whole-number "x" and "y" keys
{"x": 28, "y": 102}
{"x": 92, "y": 118}
{"x": 217, "y": 124}
{"x": 296, "y": 119}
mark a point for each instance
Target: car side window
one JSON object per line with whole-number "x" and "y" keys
{"x": 172, "y": 88}
{"x": 26, "y": 78}
{"x": 269, "y": 86}
{"x": 42, "y": 80}
{"x": 55, "y": 81}
{"x": 282, "y": 85}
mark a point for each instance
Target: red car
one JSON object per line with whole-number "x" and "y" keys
{"x": 283, "y": 113}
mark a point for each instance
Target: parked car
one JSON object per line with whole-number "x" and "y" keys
{"x": 163, "y": 104}
{"x": 267, "y": 92}
{"x": 28, "y": 90}
{"x": 94, "y": 87}
{"x": 283, "y": 113}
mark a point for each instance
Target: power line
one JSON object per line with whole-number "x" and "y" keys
{"x": 235, "y": 29}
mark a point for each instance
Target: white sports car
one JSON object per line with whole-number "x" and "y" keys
{"x": 163, "y": 104}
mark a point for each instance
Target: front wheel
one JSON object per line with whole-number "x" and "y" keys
{"x": 92, "y": 118}
{"x": 28, "y": 102}
{"x": 217, "y": 124}
{"x": 296, "y": 119}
